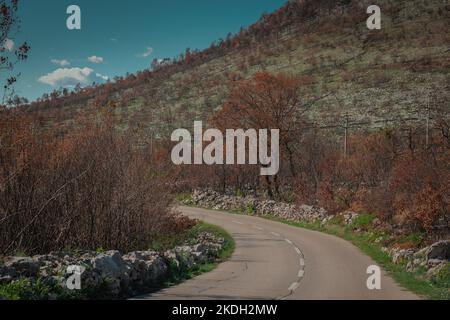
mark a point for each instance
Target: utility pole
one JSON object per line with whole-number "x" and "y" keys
{"x": 346, "y": 135}
{"x": 427, "y": 131}
{"x": 151, "y": 143}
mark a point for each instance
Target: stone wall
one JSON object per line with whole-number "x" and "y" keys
{"x": 257, "y": 206}
{"x": 111, "y": 274}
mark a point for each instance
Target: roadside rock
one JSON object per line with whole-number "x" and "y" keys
{"x": 110, "y": 263}
{"x": 399, "y": 255}
{"x": 5, "y": 279}
{"x": 437, "y": 269}
{"x": 24, "y": 266}
{"x": 439, "y": 250}
{"x": 147, "y": 267}
{"x": 349, "y": 217}
{"x": 112, "y": 267}
{"x": 185, "y": 257}
{"x": 431, "y": 257}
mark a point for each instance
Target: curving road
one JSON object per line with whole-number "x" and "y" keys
{"x": 277, "y": 261}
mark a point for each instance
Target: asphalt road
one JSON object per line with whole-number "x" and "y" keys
{"x": 277, "y": 261}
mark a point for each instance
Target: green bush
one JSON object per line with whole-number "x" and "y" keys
{"x": 184, "y": 198}
{"x": 414, "y": 239}
{"x": 26, "y": 289}
{"x": 442, "y": 279}
{"x": 363, "y": 221}
{"x": 239, "y": 193}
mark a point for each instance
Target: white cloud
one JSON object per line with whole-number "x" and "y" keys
{"x": 95, "y": 59}
{"x": 147, "y": 52}
{"x": 102, "y": 76}
{"x": 68, "y": 77}
{"x": 62, "y": 63}
{"x": 9, "y": 44}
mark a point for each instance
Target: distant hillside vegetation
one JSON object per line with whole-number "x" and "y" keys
{"x": 368, "y": 78}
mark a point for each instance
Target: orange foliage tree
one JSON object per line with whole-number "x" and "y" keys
{"x": 266, "y": 101}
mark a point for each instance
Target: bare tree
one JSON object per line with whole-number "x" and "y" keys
{"x": 10, "y": 53}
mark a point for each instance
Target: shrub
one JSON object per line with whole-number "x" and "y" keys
{"x": 363, "y": 221}
{"x": 443, "y": 276}
{"x": 27, "y": 289}
{"x": 86, "y": 186}
{"x": 421, "y": 199}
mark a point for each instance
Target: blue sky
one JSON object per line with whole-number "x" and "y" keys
{"x": 116, "y": 34}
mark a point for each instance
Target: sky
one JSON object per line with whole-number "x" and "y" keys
{"x": 117, "y": 37}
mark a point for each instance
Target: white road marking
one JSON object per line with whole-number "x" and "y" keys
{"x": 275, "y": 234}
{"x": 301, "y": 272}
{"x": 293, "y": 286}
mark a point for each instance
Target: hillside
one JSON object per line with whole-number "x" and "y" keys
{"x": 368, "y": 78}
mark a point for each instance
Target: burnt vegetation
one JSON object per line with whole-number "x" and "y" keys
{"x": 86, "y": 187}
{"x": 363, "y": 119}
{"x": 399, "y": 173}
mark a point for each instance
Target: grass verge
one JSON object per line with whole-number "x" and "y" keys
{"x": 181, "y": 272}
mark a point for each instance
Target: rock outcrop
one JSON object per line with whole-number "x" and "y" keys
{"x": 434, "y": 258}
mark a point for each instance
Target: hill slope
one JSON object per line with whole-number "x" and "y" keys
{"x": 371, "y": 78}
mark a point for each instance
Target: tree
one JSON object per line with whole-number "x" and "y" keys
{"x": 10, "y": 55}
{"x": 267, "y": 101}
{"x": 17, "y": 101}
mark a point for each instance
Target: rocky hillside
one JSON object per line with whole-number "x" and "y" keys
{"x": 368, "y": 78}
